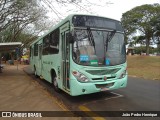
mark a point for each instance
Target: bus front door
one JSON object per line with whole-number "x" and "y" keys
{"x": 65, "y": 60}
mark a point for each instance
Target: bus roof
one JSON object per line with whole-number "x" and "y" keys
{"x": 68, "y": 18}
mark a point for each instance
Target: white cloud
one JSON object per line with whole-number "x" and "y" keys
{"x": 119, "y": 7}
{"x": 114, "y": 10}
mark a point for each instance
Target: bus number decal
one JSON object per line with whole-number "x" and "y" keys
{"x": 84, "y": 58}
{"x": 47, "y": 62}
{"x": 107, "y": 61}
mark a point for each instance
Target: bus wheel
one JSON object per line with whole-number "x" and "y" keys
{"x": 35, "y": 72}
{"x": 55, "y": 84}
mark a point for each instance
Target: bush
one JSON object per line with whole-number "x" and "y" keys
{"x": 142, "y": 49}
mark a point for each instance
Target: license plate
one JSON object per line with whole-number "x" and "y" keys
{"x": 104, "y": 89}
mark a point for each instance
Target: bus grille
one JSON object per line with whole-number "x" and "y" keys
{"x": 103, "y": 72}
{"x": 104, "y": 85}
{"x": 103, "y": 78}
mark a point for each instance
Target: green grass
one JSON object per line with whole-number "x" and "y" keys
{"x": 147, "y": 67}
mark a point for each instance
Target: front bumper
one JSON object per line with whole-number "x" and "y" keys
{"x": 79, "y": 88}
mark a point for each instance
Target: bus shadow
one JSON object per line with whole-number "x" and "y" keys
{"x": 72, "y": 102}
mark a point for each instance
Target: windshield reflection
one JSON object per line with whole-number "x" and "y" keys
{"x": 98, "y": 48}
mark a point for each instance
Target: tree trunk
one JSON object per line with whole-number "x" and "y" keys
{"x": 147, "y": 45}
{"x": 158, "y": 47}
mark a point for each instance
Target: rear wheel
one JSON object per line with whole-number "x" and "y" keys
{"x": 55, "y": 83}
{"x": 35, "y": 72}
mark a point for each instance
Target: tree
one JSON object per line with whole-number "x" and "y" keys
{"x": 29, "y": 17}
{"x": 19, "y": 16}
{"x": 141, "y": 19}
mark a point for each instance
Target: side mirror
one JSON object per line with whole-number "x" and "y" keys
{"x": 156, "y": 37}
{"x": 70, "y": 38}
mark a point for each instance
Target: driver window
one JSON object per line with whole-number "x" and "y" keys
{"x": 82, "y": 45}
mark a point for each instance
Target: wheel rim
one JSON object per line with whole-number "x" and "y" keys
{"x": 35, "y": 73}
{"x": 55, "y": 82}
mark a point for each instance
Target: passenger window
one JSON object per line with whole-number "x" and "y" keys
{"x": 35, "y": 49}
{"x": 54, "y": 42}
{"x": 46, "y": 45}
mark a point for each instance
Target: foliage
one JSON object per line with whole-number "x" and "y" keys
{"x": 19, "y": 17}
{"x": 142, "y": 19}
{"x": 30, "y": 17}
{"x": 142, "y": 49}
{"x": 158, "y": 48}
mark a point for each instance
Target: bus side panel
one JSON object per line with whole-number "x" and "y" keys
{"x": 50, "y": 62}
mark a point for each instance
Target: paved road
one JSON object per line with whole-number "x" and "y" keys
{"x": 139, "y": 95}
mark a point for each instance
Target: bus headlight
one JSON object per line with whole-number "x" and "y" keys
{"x": 80, "y": 77}
{"x": 123, "y": 74}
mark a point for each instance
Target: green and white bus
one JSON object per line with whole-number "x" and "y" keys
{"x": 82, "y": 54}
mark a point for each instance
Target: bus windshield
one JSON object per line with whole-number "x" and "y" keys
{"x": 93, "y": 47}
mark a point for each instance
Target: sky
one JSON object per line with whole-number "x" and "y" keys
{"x": 114, "y": 9}
{"x": 107, "y": 8}
{"x": 119, "y": 7}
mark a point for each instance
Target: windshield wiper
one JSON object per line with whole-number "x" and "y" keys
{"x": 91, "y": 39}
{"x": 108, "y": 39}
{"x": 110, "y": 36}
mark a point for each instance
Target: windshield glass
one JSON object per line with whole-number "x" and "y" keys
{"x": 98, "y": 48}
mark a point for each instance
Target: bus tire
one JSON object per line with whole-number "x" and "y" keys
{"x": 55, "y": 83}
{"x": 35, "y": 72}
